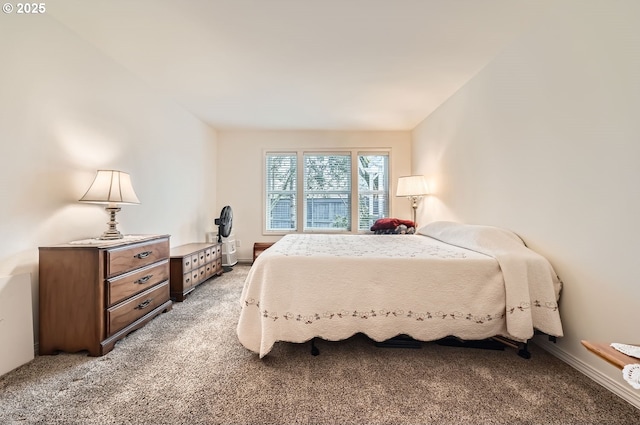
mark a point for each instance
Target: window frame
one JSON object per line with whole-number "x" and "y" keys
{"x": 265, "y": 191}
{"x": 358, "y": 193}
{"x": 300, "y": 193}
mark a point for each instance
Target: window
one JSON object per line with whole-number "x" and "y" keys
{"x": 330, "y": 200}
{"x": 373, "y": 189}
{"x": 327, "y": 192}
{"x": 281, "y": 192}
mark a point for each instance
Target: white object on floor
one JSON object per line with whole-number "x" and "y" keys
{"x": 629, "y": 350}
{"x": 16, "y": 322}
{"x": 631, "y": 374}
{"x": 229, "y": 256}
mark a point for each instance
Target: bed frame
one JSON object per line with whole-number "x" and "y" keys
{"x": 493, "y": 343}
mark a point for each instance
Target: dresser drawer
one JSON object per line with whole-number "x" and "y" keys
{"x": 195, "y": 277}
{"x": 125, "y": 313}
{"x": 126, "y": 285}
{"x": 195, "y": 261}
{"x": 187, "y": 280}
{"x": 133, "y": 256}
{"x": 186, "y": 263}
{"x": 210, "y": 269}
{"x": 202, "y": 257}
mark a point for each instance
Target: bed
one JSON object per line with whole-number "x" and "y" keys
{"x": 449, "y": 279}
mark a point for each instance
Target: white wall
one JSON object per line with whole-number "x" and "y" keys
{"x": 67, "y": 110}
{"x": 240, "y": 170}
{"x": 545, "y": 141}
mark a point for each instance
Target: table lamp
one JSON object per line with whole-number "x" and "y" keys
{"x": 113, "y": 188}
{"x": 413, "y": 187}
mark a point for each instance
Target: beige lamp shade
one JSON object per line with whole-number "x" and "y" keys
{"x": 111, "y": 187}
{"x": 412, "y": 186}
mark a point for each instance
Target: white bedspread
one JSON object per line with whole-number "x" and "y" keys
{"x": 472, "y": 282}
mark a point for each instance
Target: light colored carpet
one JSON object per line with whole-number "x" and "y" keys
{"x": 187, "y": 367}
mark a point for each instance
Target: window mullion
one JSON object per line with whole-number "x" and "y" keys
{"x": 355, "y": 196}
{"x": 300, "y": 215}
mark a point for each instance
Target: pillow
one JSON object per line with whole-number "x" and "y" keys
{"x": 385, "y": 223}
{"x": 471, "y": 236}
{"x": 393, "y": 226}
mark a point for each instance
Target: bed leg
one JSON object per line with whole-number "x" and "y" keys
{"x": 314, "y": 349}
{"x": 523, "y": 350}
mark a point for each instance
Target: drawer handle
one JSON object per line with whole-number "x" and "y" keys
{"x": 144, "y": 279}
{"x": 143, "y": 255}
{"x": 144, "y": 304}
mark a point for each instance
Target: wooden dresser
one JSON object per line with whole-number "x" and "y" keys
{"x": 192, "y": 264}
{"x": 94, "y": 294}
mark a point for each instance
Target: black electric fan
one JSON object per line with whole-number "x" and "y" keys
{"x": 224, "y": 223}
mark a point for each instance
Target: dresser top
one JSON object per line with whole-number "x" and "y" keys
{"x": 102, "y": 243}
{"x": 190, "y": 248}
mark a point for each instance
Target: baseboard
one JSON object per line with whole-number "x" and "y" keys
{"x": 622, "y": 391}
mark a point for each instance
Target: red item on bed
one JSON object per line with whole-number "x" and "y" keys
{"x": 390, "y": 223}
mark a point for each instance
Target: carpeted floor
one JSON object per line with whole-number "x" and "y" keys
{"x": 187, "y": 367}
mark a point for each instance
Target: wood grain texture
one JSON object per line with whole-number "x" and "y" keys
{"x": 193, "y": 264}
{"x": 609, "y": 354}
{"x": 78, "y": 284}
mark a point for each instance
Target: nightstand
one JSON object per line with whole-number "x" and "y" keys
{"x": 259, "y": 248}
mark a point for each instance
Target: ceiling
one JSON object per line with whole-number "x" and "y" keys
{"x": 302, "y": 64}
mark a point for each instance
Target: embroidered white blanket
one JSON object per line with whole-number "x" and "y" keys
{"x": 531, "y": 285}
{"x": 333, "y": 286}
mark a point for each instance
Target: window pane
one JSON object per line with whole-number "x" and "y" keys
{"x": 373, "y": 189}
{"x": 281, "y": 188}
{"x": 327, "y": 191}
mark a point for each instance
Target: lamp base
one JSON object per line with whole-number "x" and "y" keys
{"x": 108, "y": 236}
{"x": 414, "y": 204}
{"x": 112, "y": 232}
{"x": 415, "y": 207}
